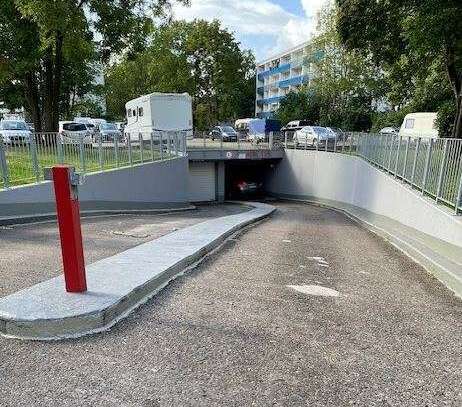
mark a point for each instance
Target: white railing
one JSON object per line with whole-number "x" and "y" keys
{"x": 431, "y": 165}
{"x": 23, "y": 157}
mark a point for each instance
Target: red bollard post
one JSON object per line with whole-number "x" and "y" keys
{"x": 68, "y": 209}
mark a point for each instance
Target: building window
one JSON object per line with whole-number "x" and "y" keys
{"x": 134, "y": 112}
{"x": 129, "y": 112}
{"x": 140, "y": 112}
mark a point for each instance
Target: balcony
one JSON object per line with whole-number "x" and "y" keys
{"x": 272, "y": 71}
{"x": 298, "y": 80}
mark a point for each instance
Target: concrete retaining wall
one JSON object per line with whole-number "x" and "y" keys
{"x": 351, "y": 180}
{"x": 156, "y": 185}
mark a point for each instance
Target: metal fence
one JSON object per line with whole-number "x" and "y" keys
{"x": 431, "y": 165}
{"x": 24, "y": 158}
{"x": 204, "y": 141}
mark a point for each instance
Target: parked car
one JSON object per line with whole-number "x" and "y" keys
{"x": 243, "y": 187}
{"x": 14, "y": 132}
{"x": 108, "y": 132}
{"x": 339, "y": 133}
{"x": 72, "y": 132}
{"x": 389, "y": 130}
{"x": 313, "y": 136}
{"x": 225, "y": 133}
{"x": 295, "y": 125}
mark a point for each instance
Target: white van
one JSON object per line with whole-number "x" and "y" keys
{"x": 159, "y": 112}
{"x": 419, "y": 125}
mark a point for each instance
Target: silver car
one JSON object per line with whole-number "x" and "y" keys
{"x": 108, "y": 132}
{"x": 14, "y": 132}
{"x": 313, "y": 136}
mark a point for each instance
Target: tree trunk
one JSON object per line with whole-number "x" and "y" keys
{"x": 48, "y": 120}
{"x": 57, "y": 78}
{"x": 455, "y": 78}
{"x": 457, "y": 132}
{"x": 33, "y": 100}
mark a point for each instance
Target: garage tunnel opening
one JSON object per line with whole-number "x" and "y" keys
{"x": 246, "y": 179}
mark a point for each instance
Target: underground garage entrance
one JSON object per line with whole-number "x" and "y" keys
{"x": 246, "y": 179}
{"x": 231, "y": 179}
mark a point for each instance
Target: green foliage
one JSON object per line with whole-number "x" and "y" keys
{"x": 299, "y": 106}
{"x": 199, "y": 58}
{"x": 445, "y": 119}
{"x": 48, "y": 48}
{"x": 418, "y": 44}
{"x": 345, "y": 84}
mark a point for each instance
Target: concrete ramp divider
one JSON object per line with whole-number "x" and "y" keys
{"x": 116, "y": 285}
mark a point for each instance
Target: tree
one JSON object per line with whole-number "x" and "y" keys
{"x": 39, "y": 40}
{"x": 200, "y": 58}
{"x": 345, "y": 88}
{"x": 299, "y": 106}
{"x": 348, "y": 84}
{"x": 413, "y": 33}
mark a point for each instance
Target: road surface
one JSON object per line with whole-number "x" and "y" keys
{"x": 245, "y": 329}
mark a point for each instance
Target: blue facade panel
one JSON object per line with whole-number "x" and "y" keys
{"x": 279, "y": 69}
{"x": 298, "y": 80}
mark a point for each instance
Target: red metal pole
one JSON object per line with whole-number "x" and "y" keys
{"x": 68, "y": 209}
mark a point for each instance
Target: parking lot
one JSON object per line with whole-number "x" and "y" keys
{"x": 305, "y": 308}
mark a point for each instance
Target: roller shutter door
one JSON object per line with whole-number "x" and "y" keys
{"x": 201, "y": 181}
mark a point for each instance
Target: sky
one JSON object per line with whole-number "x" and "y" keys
{"x": 264, "y": 26}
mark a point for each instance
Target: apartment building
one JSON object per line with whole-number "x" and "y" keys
{"x": 279, "y": 75}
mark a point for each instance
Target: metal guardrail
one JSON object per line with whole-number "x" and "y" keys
{"x": 23, "y": 158}
{"x": 203, "y": 141}
{"x": 431, "y": 165}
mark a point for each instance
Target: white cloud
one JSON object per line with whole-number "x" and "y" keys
{"x": 256, "y": 18}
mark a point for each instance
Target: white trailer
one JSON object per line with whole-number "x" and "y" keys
{"x": 159, "y": 112}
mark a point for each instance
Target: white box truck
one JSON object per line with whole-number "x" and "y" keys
{"x": 159, "y": 112}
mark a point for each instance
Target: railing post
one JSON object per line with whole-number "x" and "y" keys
{"x": 161, "y": 147}
{"x": 60, "y": 146}
{"x": 116, "y": 148}
{"x": 203, "y": 134}
{"x": 4, "y": 165}
{"x": 82, "y": 155}
{"x": 152, "y": 145}
{"x": 100, "y": 151}
{"x": 176, "y": 144}
{"x": 427, "y": 166}
{"x": 168, "y": 143}
{"x": 285, "y": 140}
{"x": 140, "y": 139}
{"x": 271, "y": 140}
{"x": 335, "y": 143}
{"x": 129, "y": 145}
{"x": 442, "y": 169}
{"x": 405, "y": 157}
{"x": 400, "y": 138}
{"x": 34, "y": 157}
{"x": 390, "y": 153}
{"x": 458, "y": 202}
{"x": 414, "y": 164}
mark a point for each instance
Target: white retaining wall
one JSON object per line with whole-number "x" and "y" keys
{"x": 351, "y": 180}
{"x": 156, "y": 185}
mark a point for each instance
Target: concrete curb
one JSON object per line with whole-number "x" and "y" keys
{"x": 444, "y": 269}
{"x": 118, "y": 284}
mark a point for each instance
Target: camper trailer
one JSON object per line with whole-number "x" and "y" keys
{"x": 419, "y": 125}
{"x": 159, "y": 112}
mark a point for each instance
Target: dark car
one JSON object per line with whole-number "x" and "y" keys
{"x": 225, "y": 133}
{"x": 246, "y": 187}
